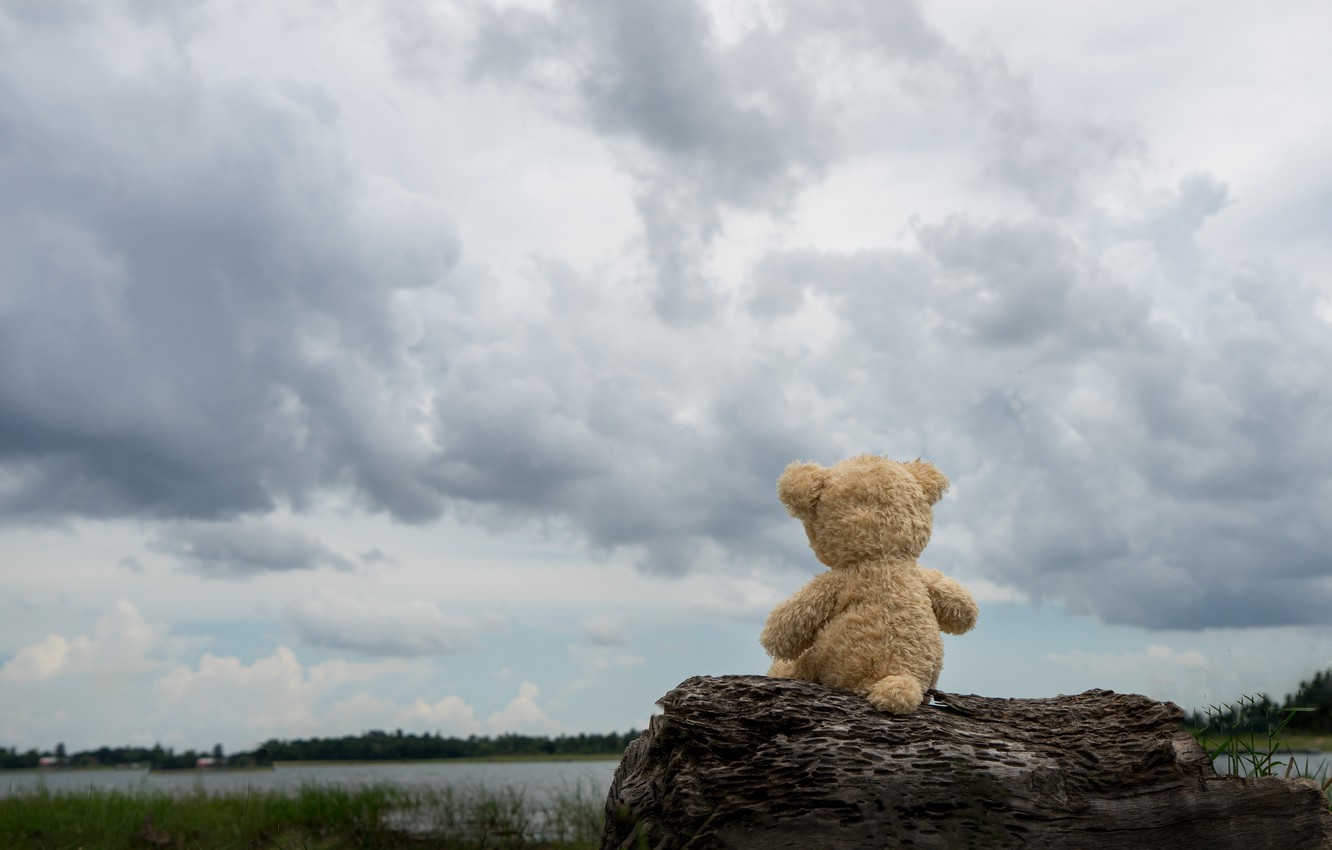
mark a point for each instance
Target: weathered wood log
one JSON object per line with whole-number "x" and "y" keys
{"x": 751, "y": 762}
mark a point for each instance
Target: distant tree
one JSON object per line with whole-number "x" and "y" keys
{"x": 1315, "y": 694}
{"x": 377, "y": 744}
{"x": 1312, "y": 697}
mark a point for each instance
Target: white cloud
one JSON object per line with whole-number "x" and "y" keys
{"x": 1155, "y": 657}
{"x": 594, "y": 662}
{"x": 740, "y": 598}
{"x": 339, "y": 620}
{"x": 598, "y": 659}
{"x": 83, "y": 688}
{"x": 45, "y": 659}
{"x": 450, "y": 715}
{"x": 984, "y": 590}
{"x": 274, "y": 689}
{"x": 120, "y": 645}
{"x": 283, "y": 698}
{"x": 607, "y": 629}
{"x": 524, "y": 715}
{"x": 447, "y": 713}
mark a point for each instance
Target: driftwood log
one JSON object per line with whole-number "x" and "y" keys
{"x": 753, "y": 763}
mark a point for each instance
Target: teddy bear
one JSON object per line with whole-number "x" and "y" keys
{"x": 871, "y": 623}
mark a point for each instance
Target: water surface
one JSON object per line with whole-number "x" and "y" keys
{"x": 537, "y": 779}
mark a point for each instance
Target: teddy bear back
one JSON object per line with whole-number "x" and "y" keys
{"x": 864, "y": 508}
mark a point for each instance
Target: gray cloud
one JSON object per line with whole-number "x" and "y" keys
{"x": 383, "y": 628}
{"x": 376, "y": 556}
{"x": 241, "y": 550}
{"x": 215, "y": 310}
{"x": 202, "y": 307}
{"x": 707, "y": 125}
{"x": 1117, "y": 453}
{"x": 734, "y": 118}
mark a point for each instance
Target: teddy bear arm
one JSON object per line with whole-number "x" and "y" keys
{"x": 793, "y": 625}
{"x": 953, "y": 606}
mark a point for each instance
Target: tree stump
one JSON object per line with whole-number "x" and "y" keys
{"x": 752, "y": 762}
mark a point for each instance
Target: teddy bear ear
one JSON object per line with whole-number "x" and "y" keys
{"x": 931, "y": 480}
{"x": 800, "y": 486}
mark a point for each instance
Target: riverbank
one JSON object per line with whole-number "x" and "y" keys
{"x": 1299, "y": 743}
{"x": 513, "y": 759}
{"x": 325, "y": 817}
{"x": 328, "y": 762}
{"x": 1306, "y": 743}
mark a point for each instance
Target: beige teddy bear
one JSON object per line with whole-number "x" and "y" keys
{"x": 870, "y": 624}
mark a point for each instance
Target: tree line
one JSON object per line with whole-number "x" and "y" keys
{"x": 156, "y": 757}
{"x": 1313, "y": 697}
{"x": 375, "y": 745}
{"x": 1309, "y": 709}
{"x": 399, "y": 746}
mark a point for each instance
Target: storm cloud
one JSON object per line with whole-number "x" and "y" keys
{"x": 216, "y": 304}
{"x": 202, "y": 307}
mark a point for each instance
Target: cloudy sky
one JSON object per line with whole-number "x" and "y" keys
{"x": 431, "y": 364}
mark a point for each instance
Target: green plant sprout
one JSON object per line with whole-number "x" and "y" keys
{"x": 1244, "y": 739}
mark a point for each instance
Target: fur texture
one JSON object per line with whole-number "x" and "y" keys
{"x": 871, "y": 623}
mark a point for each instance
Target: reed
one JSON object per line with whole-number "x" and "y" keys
{"x": 315, "y": 817}
{"x": 1239, "y": 747}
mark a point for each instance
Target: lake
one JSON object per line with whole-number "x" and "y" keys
{"x": 537, "y": 779}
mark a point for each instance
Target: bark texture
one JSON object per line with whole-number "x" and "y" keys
{"x": 752, "y": 762}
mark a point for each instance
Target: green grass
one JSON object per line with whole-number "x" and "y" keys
{"x": 1298, "y": 741}
{"x": 1244, "y": 750}
{"x": 316, "y": 817}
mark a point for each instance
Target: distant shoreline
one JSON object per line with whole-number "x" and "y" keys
{"x": 460, "y": 760}
{"x": 505, "y": 759}
{"x": 1301, "y": 742}
{"x": 1292, "y": 743}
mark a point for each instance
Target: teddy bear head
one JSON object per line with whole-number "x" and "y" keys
{"x": 864, "y": 508}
